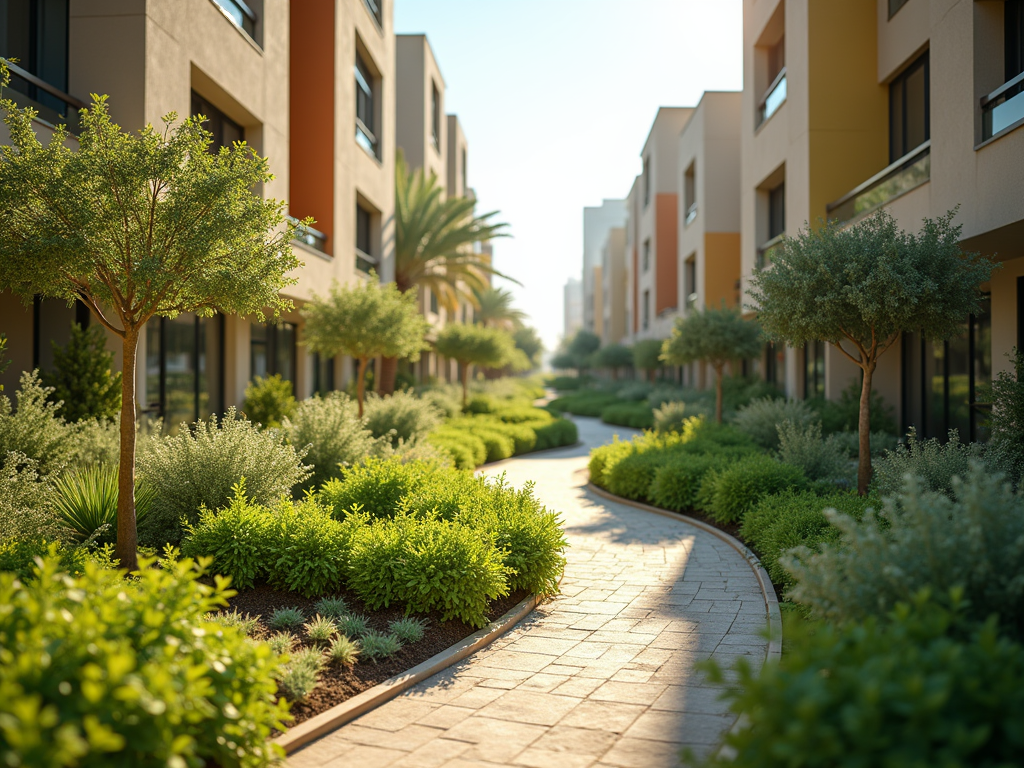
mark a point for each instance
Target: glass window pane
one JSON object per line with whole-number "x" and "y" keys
{"x": 896, "y": 143}
{"x": 258, "y": 350}
{"x": 917, "y": 108}
{"x": 285, "y": 351}
{"x": 151, "y": 397}
{"x": 210, "y": 357}
{"x": 959, "y": 384}
{"x": 180, "y": 360}
{"x": 935, "y": 362}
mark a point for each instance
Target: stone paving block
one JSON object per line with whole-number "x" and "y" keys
{"x": 433, "y": 754}
{"x": 476, "y": 698}
{"x": 685, "y": 698}
{"x": 542, "y": 682}
{"x": 628, "y": 693}
{"x": 542, "y": 758}
{"x": 603, "y": 716}
{"x": 446, "y": 716}
{"x": 643, "y": 753}
{"x": 580, "y": 741}
{"x": 551, "y": 646}
{"x": 496, "y": 733}
{"x": 530, "y": 707}
{"x": 366, "y": 757}
{"x": 398, "y": 714}
{"x": 680, "y": 727}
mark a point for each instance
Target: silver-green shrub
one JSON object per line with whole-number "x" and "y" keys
{"x": 673, "y": 415}
{"x": 201, "y": 467}
{"x": 99, "y": 440}
{"x": 27, "y": 503}
{"x": 400, "y": 417}
{"x": 820, "y": 459}
{"x": 761, "y": 417}
{"x": 933, "y": 462}
{"x": 880, "y": 443}
{"x": 923, "y": 539}
{"x": 330, "y": 430}
{"x": 35, "y": 430}
{"x": 635, "y": 390}
{"x": 447, "y": 399}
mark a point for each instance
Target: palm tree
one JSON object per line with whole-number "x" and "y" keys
{"x": 434, "y": 238}
{"x": 494, "y": 309}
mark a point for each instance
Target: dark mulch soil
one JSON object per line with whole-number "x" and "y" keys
{"x": 337, "y": 682}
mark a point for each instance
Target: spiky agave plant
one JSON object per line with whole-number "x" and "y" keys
{"x": 87, "y": 501}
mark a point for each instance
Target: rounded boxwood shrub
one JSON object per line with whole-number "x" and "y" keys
{"x": 98, "y": 670}
{"x": 555, "y": 434}
{"x": 637, "y": 415}
{"x": 737, "y": 488}
{"x": 466, "y": 451}
{"x": 676, "y": 484}
{"x": 310, "y": 549}
{"x": 377, "y": 486}
{"x": 499, "y": 444}
{"x": 632, "y": 477}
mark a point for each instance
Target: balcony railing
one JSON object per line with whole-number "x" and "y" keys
{"x": 240, "y": 14}
{"x": 365, "y": 138}
{"x": 764, "y": 253}
{"x": 691, "y": 213}
{"x": 365, "y": 262}
{"x": 307, "y": 235}
{"x": 774, "y": 98}
{"x": 53, "y": 105}
{"x": 1002, "y": 108}
{"x": 910, "y": 171}
{"x": 691, "y": 301}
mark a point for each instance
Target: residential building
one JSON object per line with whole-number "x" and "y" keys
{"x": 613, "y": 287}
{"x": 597, "y": 220}
{"x": 633, "y": 260}
{"x": 572, "y": 304}
{"x": 330, "y": 149}
{"x": 837, "y": 121}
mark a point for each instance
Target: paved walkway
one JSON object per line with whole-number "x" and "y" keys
{"x": 601, "y": 676}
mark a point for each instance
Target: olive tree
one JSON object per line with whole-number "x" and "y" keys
{"x": 474, "y": 345}
{"x": 715, "y": 336}
{"x": 137, "y": 226}
{"x": 365, "y": 321}
{"x": 613, "y": 357}
{"x": 861, "y": 287}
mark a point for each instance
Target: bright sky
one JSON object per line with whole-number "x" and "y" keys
{"x": 556, "y": 98}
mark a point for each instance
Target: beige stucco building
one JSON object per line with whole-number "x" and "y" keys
{"x": 598, "y": 221}
{"x": 613, "y": 287}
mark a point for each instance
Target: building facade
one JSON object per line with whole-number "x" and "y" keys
{"x": 613, "y": 287}
{"x": 572, "y": 304}
{"x": 597, "y": 221}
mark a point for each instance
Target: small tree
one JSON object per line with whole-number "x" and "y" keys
{"x": 365, "y": 321}
{"x": 83, "y": 379}
{"x": 474, "y": 345}
{"x": 647, "y": 356}
{"x": 716, "y": 336}
{"x": 866, "y": 285}
{"x": 613, "y": 357}
{"x": 136, "y": 226}
{"x": 528, "y": 340}
{"x": 582, "y": 348}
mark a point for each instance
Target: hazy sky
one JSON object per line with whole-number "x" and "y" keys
{"x": 556, "y": 98}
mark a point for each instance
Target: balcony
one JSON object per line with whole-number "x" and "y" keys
{"x": 375, "y": 9}
{"x": 909, "y": 172}
{"x": 309, "y": 236}
{"x": 1003, "y": 109}
{"x": 52, "y": 105}
{"x": 774, "y": 98}
{"x": 365, "y": 263}
{"x": 763, "y": 258}
{"x": 239, "y": 14}
{"x": 691, "y": 214}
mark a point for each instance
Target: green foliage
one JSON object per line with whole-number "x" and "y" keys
{"x": 27, "y": 504}
{"x": 335, "y": 437}
{"x": 268, "y": 401}
{"x": 376, "y": 645}
{"x": 86, "y": 501}
{"x": 376, "y": 488}
{"x": 35, "y": 430}
{"x": 467, "y": 451}
{"x": 200, "y": 467}
{"x": 820, "y": 459}
{"x": 528, "y": 340}
{"x": 633, "y": 475}
{"x": 567, "y": 383}
{"x": 282, "y": 642}
{"x": 407, "y": 630}
{"x": 320, "y": 629}
{"x": 913, "y": 691}
{"x": 297, "y": 681}
{"x": 447, "y": 400}
{"x": 556, "y": 434}
{"x": 761, "y": 419}
{"x": 843, "y": 415}
{"x": 973, "y": 541}
{"x": 582, "y": 346}
{"x": 83, "y": 382}
{"x": 585, "y": 403}
{"x": 933, "y": 462}
{"x": 494, "y": 308}
{"x": 712, "y": 335}
{"x": 245, "y": 624}
{"x": 1006, "y": 425}
{"x": 98, "y": 670}
{"x": 498, "y": 442}
{"x": 400, "y": 416}
{"x": 647, "y": 354}
{"x": 331, "y": 607}
{"x": 636, "y": 415}
{"x": 342, "y": 650}
{"x": 735, "y": 490}
{"x": 796, "y": 518}
{"x": 613, "y": 357}
{"x": 99, "y": 442}
{"x": 676, "y": 483}
{"x": 310, "y": 550}
{"x": 286, "y": 618}
{"x": 474, "y": 345}
{"x": 672, "y": 416}
{"x": 353, "y": 625}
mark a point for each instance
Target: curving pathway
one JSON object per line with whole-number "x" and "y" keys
{"x": 603, "y": 675}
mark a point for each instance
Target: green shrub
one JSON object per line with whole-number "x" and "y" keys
{"x": 446, "y": 400}
{"x": 296, "y": 681}
{"x": 85, "y": 385}
{"x": 1006, "y": 424}
{"x": 761, "y": 419}
{"x": 86, "y": 500}
{"x": 636, "y": 415}
{"x": 820, "y": 459}
{"x": 880, "y": 443}
{"x": 672, "y": 416}
{"x": 27, "y": 503}
{"x": 286, "y": 618}
{"x": 201, "y": 466}
{"x": 447, "y": 495}
{"x": 376, "y": 487}
{"x": 310, "y": 549}
{"x": 245, "y": 624}
{"x": 632, "y": 477}
{"x": 588, "y": 403}
{"x": 973, "y": 542}
{"x": 736, "y": 489}
{"x": 676, "y": 484}
{"x": 407, "y": 630}
{"x": 568, "y": 383}
{"x": 98, "y": 671}
{"x": 35, "y": 430}
{"x": 282, "y": 642}
{"x": 912, "y": 691}
{"x": 269, "y": 401}
{"x": 375, "y": 645}
{"x": 935, "y": 463}
{"x": 843, "y": 415}
{"x": 240, "y": 538}
{"x": 740, "y": 391}
{"x": 556, "y": 434}
{"x": 335, "y": 437}
{"x": 481, "y": 404}
{"x": 499, "y": 444}
{"x": 343, "y": 650}
{"x": 99, "y": 442}
{"x": 520, "y": 414}
{"x": 466, "y": 451}
{"x": 400, "y": 416}
{"x": 426, "y": 565}
{"x": 796, "y": 518}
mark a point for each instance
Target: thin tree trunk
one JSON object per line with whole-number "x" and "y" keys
{"x": 864, "y": 429}
{"x": 465, "y": 386}
{"x": 361, "y": 384}
{"x": 718, "y": 392}
{"x": 125, "y": 550}
{"x": 388, "y": 375}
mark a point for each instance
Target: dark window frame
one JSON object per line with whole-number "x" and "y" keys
{"x": 367, "y": 85}
{"x": 814, "y": 369}
{"x": 217, "y": 123}
{"x": 777, "y": 211}
{"x": 158, "y": 407}
{"x": 366, "y": 259}
{"x": 435, "y": 115}
{"x": 899, "y": 145}
{"x": 272, "y": 343}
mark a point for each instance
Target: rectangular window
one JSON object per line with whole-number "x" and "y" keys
{"x": 433, "y": 303}
{"x": 777, "y": 211}
{"x": 647, "y": 254}
{"x": 465, "y": 174}
{"x": 323, "y": 374}
{"x": 909, "y": 121}
{"x": 376, "y": 9}
{"x": 690, "y": 194}
{"x": 647, "y": 181}
{"x": 365, "y": 257}
{"x": 240, "y": 14}
{"x": 184, "y": 368}
{"x": 775, "y": 94}
{"x": 435, "y": 116}
{"x": 690, "y": 282}
{"x": 775, "y": 365}
{"x": 366, "y": 109}
{"x": 814, "y": 369}
{"x": 225, "y": 130}
{"x": 273, "y": 350}
{"x": 647, "y": 309}
{"x": 1013, "y": 38}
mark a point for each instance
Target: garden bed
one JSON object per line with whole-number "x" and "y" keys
{"x": 340, "y": 682}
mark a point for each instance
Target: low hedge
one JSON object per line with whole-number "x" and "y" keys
{"x": 555, "y": 434}
{"x": 727, "y": 494}
{"x": 677, "y": 482}
{"x": 506, "y": 431}
{"x": 638, "y": 415}
{"x": 586, "y": 403}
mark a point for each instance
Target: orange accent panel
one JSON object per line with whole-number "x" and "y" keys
{"x": 311, "y": 114}
{"x": 721, "y": 268}
{"x": 666, "y": 257}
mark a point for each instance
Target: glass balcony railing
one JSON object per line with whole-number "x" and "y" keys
{"x": 763, "y": 258}
{"x": 691, "y": 214}
{"x": 1003, "y": 107}
{"x": 910, "y": 171}
{"x": 52, "y": 104}
{"x": 774, "y": 98}
{"x": 314, "y": 238}
{"x": 240, "y": 14}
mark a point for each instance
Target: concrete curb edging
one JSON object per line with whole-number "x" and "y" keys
{"x": 337, "y": 716}
{"x": 771, "y": 600}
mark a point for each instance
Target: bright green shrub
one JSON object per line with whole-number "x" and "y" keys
{"x": 446, "y": 400}
{"x": 447, "y": 495}
{"x": 736, "y": 489}
{"x": 567, "y": 383}
{"x": 761, "y": 419}
{"x": 556, "y": 434}
{"x": 376, "y": 487}
{"x": 973, "y": 542}
{"x": 671, "y": 416}
{"x": 843, "y": 415}
{"x": 796, "y": 518}
{"x": 677, "y": 482}
{"x": 586, "y": 403}
{"x": 343, "y": 650}
{"x": 310, "y": 549}
{"x": 465, "y": 451}
{"x": 201, "y": 466}
{"x": 912, "y": 691}
{"x": 636, "y": 415}
{"x": 820, "y": 459}
{"x": 427, "y": 564}
{"x": 481, "y": 404}
{"x": 400, "y": 416}
{"x": 519, "y": 414}
{"x": 499, "y": 444}
{"x": 35, "y": 430}
{"x": 330, "y": 427}
{"x": 632, "y": 476}
{"x": 99, "y": 442}
{"x": 86, "y": 500}
{"x": 933, "y": 462}
{"x": 99, "y": 671}
{"x": 268, "y": 401}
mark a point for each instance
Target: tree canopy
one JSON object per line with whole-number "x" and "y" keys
{"x": 136, "y": 226}
{"x": 613, "y": 357}
{"x": 861, "y": 287}
{"x": 365, "y": 321}
{"x": 475, "y": 345}
{"x": 528, "y": 340}
{"x": 647, "y": 355}
{"x": 715, "y": 336}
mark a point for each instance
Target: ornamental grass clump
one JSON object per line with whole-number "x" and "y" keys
{"x": 376, "y": 645}
{"x": 245, "y": 624}
{"x": 286, "y": 618}
{"x": 343, "y": 650}
{"x": 331, "y": 607}
{"x": 407, "y": 630}
{"x": 352, "y": 625}
{"x": 282, "y": 642}
{"x": 320, "y": 629}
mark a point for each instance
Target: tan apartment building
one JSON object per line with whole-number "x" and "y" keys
{"x": 613, "y": 282}
{"x": 632, "y": 261}
{"x": 572, "y": 307}
{"x": 330, "y": 150}
{"x": 837, "y": 121}
{"x": 708, "y": 212}
{"x": 598, "y": 221}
